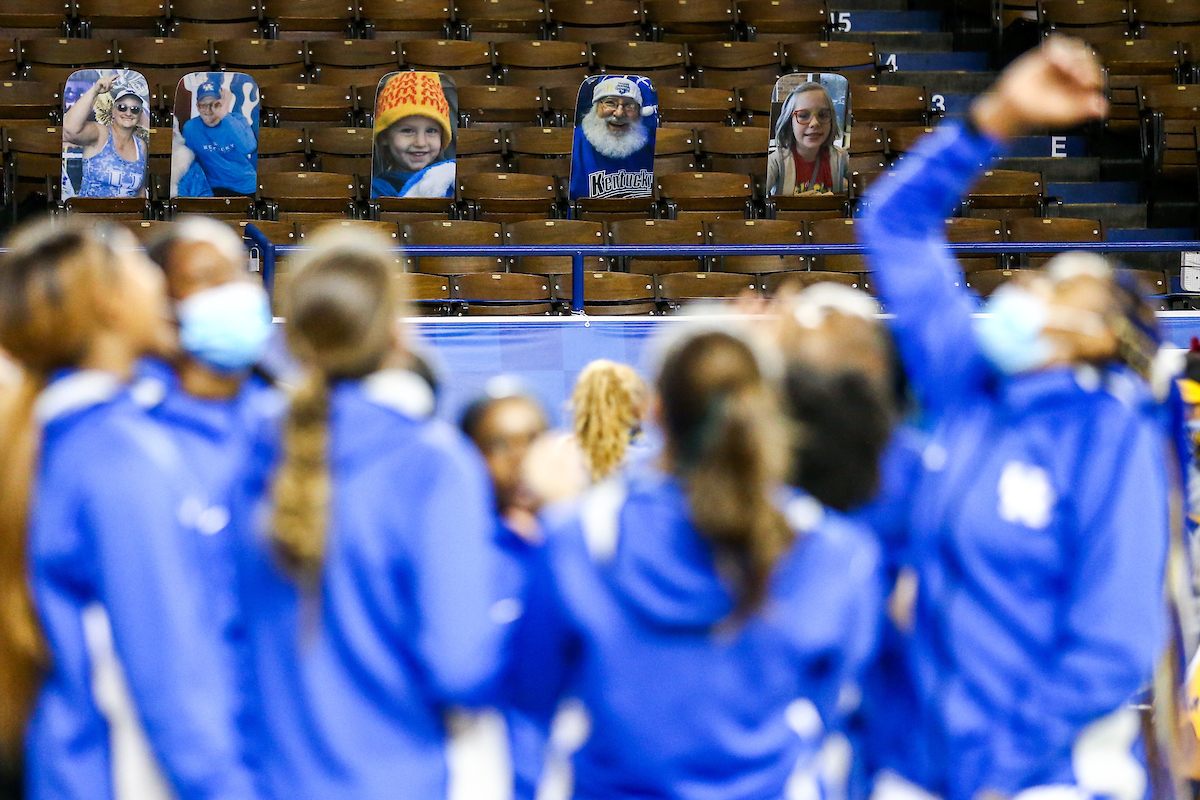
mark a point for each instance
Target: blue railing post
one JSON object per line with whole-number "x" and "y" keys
{"x": 267, "y": 251}
{"x": 577, "y": 283}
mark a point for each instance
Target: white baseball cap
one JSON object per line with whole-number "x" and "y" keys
{"x": 617, "y": 87}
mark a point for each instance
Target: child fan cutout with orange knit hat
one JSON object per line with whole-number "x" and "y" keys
{"x": 414, "y": 136}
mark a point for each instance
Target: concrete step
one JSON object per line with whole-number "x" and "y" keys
{"x": 1057, "y": 169}
{"x": 906, "y": 42}
{"x": 940, "y": 81}
{"x": 1113, "y": 215}
{"x": 1090, "y": 190}
{"x": 1174, "y": 214}
{"x": 864, "y": 20}
{"x": 902, "y": 61}
{"x": 872, "y": 5}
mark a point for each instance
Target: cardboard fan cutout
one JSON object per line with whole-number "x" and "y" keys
{"x": 616, "y": 117}
{"x": 415, "y": 136}
{"x": 810, "y": 141}
{"x": 106, "y": 130}
{"x": 214, "y": 149}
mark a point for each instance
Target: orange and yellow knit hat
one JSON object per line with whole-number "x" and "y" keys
{"x": 410, "y": 93}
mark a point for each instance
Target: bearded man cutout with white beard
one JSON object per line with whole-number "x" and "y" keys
{"x": 611, "y": 154}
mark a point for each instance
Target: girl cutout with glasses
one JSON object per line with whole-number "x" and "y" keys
{"x": 805, "y": 160}
{"x": 114, "y": 140}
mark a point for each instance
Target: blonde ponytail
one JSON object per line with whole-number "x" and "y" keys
{"x": 607, "y": 403}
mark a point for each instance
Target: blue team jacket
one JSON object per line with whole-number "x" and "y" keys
{"x": 625, "y": 613}
{"x": 347, "y": 682}
{"x": 134, "y": 653}
{"x": 214, "y": 439}
{"x": 1038, "y": 522}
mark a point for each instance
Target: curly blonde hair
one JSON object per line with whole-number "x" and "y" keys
{"x": 607, "y": 403}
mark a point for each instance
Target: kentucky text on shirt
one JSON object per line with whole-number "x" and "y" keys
{"x": 621, "y": 183}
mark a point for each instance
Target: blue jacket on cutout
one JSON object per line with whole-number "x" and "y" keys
{"x": 134, "y": 654}
{"x": 348, "y": 682}
{"x": 625, "y": 614}
{"x": 1039, "y": 522}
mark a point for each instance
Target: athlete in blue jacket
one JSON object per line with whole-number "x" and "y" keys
{"x": 705, "y": 621}
{"x": 367, "y": 561}
{"x": 119, "y": 673}
{"x": 1039, "y": 521}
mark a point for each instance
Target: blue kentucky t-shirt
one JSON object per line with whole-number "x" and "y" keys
{"x": 596, "y": 175}
{"x": 227, "y": 152}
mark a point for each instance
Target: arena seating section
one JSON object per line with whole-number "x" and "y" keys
{"x": 518, "y": 64}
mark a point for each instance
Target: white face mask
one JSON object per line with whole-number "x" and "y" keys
{"x": 1012, "y": 331}
{"x": 226, "y": 327}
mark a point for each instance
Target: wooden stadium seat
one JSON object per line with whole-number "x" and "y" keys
{"x": 688, "y": 107}
{"x": 508, "y": 197}
{"x": 282, "y": 150}
{"x": 496, "y": 106}
{"x": 344, "y": 150}
{"x": 835, "y": 231}
{"x": 268, "y": 61}
{"x": 706, "y": 195}
{"x": 754, "y": 105}
{"x": 1090, "y": 20}
{"x": 486, "y": 163}
{"x": 1157, "y": 18}
{"x": 53, "y": 60}
{"x": 855, "y": 60}
{"x": 298, "y": 196}
{"x": 482, "y": 294}
{"x": 27, "y": 100}
{"x": 783, "y": 20}
{"x": 419, "y": 19}
{"x": 737, "y": 150}
{"x": 146, "y": 230}
{"x": 681, "y": 287}
{"x": 1153, "y": 282}
{"x": 891, "y": 104}
{"x": 542, "y": 64}
{"x": 353, "y": 62}
{"x": 668, "y": 165}
{"x": 1131, "y": 64}
{"x": 664, "y": 63}
{"x": 1019, "y": 193}
{"x": 33, "y": 155}
{"x": 466, "y": 62}
{"x": 757, "y": 231}
{"x": 691, "y": 20}
{"x": 158, "y": 161}
{"x": 216, "y": 19}
{"x": 541, "y": 151}
{"x": 596, "y": 20}
{"x": 229, "y": 209}
{"x": 34, "y": 18}
{"x": 610, "y": 293}
{"x": 116, "y": 19}
{"x": 406, "y": 210}
{"x": 554, "y": 231}
{"x": 868, "y": 138}
{"x": 972, "y": 229}
{"x": 115, "y": 208}
{"x": 277, "y": 233}
{"x": 479, "y": 141}
{"x": 430, "y": 294}
{"x": 500, "y": 20}
{"x": 388, "y": 230}
{"x": 299, "y": 20}
{"x": 162, "y": 60}
{"x": 900, "y": 140}
{"x": 808, "y": 208}
{"x": 560, "y": 105}
{"x": 1052, "y": 229}
{"x": 871, "y": 162}
{"x": 297, "y": 103}
{"x": 800, "y": 279}
{"x": 728, "y": 65}
{"x": 463, "y": 232}
{"x": 986, "y": 281}
{"x": 675, "y": 151}
{"x": 1172, "y": 112}
{"x": 657, "y": 231}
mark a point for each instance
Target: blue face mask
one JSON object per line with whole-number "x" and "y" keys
{"x": 1012, "y": 334}
{"x": 226, "y": 327}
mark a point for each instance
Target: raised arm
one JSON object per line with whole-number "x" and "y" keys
{"x": 77, "y": 128}
{"x": 1058, "y": 84}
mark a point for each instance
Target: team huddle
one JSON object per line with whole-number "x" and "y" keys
{"x": 816, "y": 552}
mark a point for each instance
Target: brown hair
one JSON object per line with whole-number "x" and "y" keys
{"x": 727, "y": 440}
{"x": 49, "y": 280}
{"x": 341, "y": 307}
{"x": 606, "y": 403}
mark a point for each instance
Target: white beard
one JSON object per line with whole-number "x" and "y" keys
{"x": 606, "y": 144}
